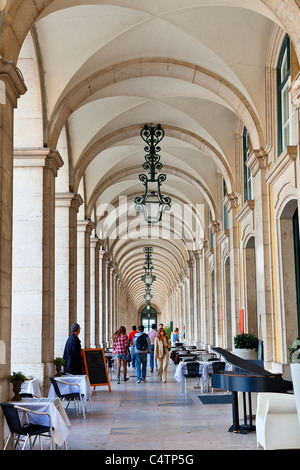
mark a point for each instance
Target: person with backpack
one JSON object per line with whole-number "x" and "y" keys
{"x": 141, "y": 347}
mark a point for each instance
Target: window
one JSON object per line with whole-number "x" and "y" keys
{"x": 286, "y": 112}
{"x": 211, "y": 236}
{"x": 247, "y": 172}
{"x": 226, "y": 221}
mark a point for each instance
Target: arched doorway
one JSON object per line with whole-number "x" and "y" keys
{"x": 227, "y": 304}
{"x": 148, "y": 317}
{"x": 251, "y": 298}
{"x": 289, "y": 232}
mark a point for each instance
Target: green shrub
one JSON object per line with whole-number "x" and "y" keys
{"x": 245, "y": 341}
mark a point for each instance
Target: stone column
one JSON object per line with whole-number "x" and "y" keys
{"x": 197, "y": 308}
{"x": 107, "y": 302}
{"x": 65, "y": 272}
{"x": 258, "y": 164}
{"x": 95, "y": 282}
{"x": 34, "y": 260}
{"x": 84, "y": 229}
{"x": 112, "y": 301}
{"x": 231, "y": 204}
{"x": 191, "y": 309}
{"x": 182, "y": 304}
{"x": 12, "y": 86}
{"x": 102, "y": 297}
{"x": 217, "y": 334}
{"x": 206, "y": 294}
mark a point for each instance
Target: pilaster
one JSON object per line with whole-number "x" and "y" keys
{"x": 33, "y": 278}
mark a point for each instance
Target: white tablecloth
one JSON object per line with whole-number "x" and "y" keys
{"x": 81, "y": 380}
{"x": 204, "y": 367}
{"x": 31, "y": 386}
{"x": 54, "y": 407}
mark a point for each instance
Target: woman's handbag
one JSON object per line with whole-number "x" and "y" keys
{"x": 128, "y": 355}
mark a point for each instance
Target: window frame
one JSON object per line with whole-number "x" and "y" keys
{"x": 247, "y": 172}
{"x": 283, "y": 85}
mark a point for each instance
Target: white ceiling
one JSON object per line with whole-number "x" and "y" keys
{"x": 81, "y": 41}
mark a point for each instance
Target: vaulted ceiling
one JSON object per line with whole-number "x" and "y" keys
{"x": 196, "y": 67}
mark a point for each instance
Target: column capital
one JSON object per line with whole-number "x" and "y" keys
{"x": 197, "y": 254}
{"x": 214, "y": 226}
{"x": 258, "y": 160}
{"x": 12, "y": 84}
{"x": 102, "y": 253}
{"x": 68, "y": 200}
{"x": 38, "y": 157}
{"x": 231, "y": 201}
{"x": 86, "y": 225}
{"x": 95, "y": 243}
{"x": 295, "y": 92}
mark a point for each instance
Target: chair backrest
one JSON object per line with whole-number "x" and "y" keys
{"x": 189, "y": 358}
{"x": 56, "y": 387}
{"x": 218, "y": 366}
{"x": 193, "y": 369}
{"x": 12, "y": 417}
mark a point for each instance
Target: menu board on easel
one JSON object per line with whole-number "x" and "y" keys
{"x": 95, "y": 367}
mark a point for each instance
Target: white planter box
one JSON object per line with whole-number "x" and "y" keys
{"x": 295, "y": 372}
{"x": 248, "y": 354}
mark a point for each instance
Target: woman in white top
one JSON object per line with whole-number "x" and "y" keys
{"x": 161, "y": 353}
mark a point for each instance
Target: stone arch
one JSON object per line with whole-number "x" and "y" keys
{"x": 102, "y": 185}
{"x": 165, "y": 67}
{"x": 288, "y": 240}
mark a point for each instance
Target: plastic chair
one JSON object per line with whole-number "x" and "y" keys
{"x": 74, "y": 396}
{"x": 192, "y": 372}
{"x": 28, "y": 430}
{"x": 277, "y": 424}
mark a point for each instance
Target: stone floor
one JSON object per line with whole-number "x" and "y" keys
{"x": 154, "y": 416}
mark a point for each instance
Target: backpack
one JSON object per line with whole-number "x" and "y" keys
{"x": 141, "y": 342}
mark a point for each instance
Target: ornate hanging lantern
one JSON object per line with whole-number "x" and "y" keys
{"x": 152, "y": 204}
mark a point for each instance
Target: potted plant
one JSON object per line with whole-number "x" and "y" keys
{"x": 58, "y": 361}
{"x": 246, "y": 346}
{"x": 294, "y": 351}
{"x": 294, "y": 358}
{"x": 17, "y": 378}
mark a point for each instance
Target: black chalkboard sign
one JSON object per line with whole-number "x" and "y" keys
{"x": 95, "y": 367}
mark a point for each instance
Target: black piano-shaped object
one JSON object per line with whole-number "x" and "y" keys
{"x": 246, "y": 377}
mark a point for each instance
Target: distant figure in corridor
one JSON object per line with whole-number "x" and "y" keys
{"x": 152, "y": 335}
{"x": 72, "y": 352}
{"x": 161, "y": 353}
{"x": 120, "y": 347}
{"x": 176, "y": 335}
{"x": 130, "y": 337}
{"x": 141, "y": 345}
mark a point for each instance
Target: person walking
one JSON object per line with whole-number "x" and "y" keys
{"x": 130, "y": 337}
{"x": 161, "y": 353}
{"x": 72, "y": 352}
{"x": 152, "y": 335}
{"x": 141, "y": 347}
{"x": 120, "y": 347}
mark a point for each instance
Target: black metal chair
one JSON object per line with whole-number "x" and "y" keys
{"x": 193, "y": 371}
{"x": 217, "y": 366}
{"x": 27, "y": 430}
{"x": 74, "y": 396}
